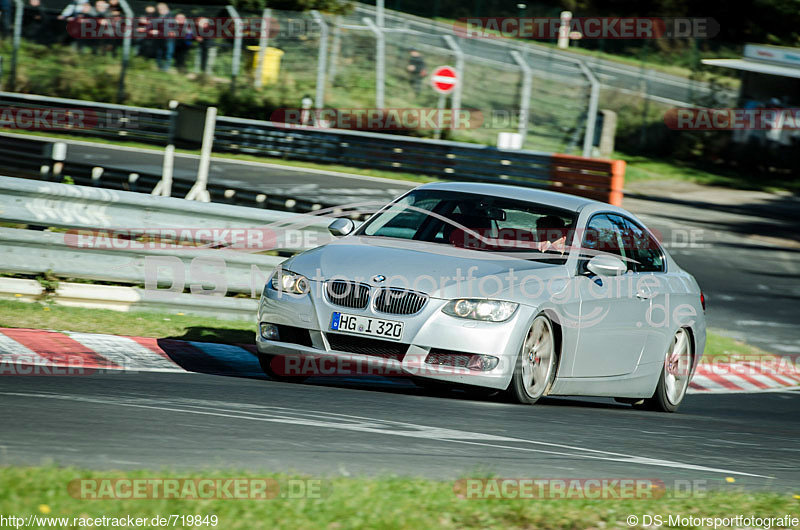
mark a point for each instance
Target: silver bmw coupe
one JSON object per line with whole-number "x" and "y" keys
{"x": 513, "y": 289}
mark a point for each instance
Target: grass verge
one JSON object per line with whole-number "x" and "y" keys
{"x": 386, "y": 502}
{"x": 14, "y": 314}
{"x": 721, "y": 349}
{"x": 643, "y": 168}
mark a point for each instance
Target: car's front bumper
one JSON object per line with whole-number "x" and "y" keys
{"x": 429, "y": 329}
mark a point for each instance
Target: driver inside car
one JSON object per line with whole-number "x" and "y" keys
{"x": 551, "y": 234}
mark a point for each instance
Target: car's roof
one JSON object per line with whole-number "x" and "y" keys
{"x": 551, "y": 198}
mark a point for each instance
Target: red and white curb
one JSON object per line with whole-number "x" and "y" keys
{"x": 42, "y": 352}
{"x": 34, "y": 352}
{"x": 765, "y": 375}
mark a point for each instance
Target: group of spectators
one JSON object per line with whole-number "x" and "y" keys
{"x": 150, "y": 37}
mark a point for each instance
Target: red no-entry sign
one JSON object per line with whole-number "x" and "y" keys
{"x": 444, "y": 79}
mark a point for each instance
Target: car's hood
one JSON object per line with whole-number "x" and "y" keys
{"x": 438, "y": 270}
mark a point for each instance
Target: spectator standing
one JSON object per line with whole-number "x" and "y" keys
{"x": 85, "y": 11}
{"x": 114, "y": 8}
{"x": 165, "y": 47}
{"x": 102, "y": 13}
{"x": 116, "y": 15}
{"x": 183, "y": 42}
{"x": 143, "y": 35}
{"x": 416, "y": 70}
{"x": 72, "y": 10}
{"x": 36, "y": 23}
{"x": 204, "y": 42}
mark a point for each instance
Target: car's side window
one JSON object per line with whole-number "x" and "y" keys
{"x": 623, "y": 237}
{"x": 602, "y": 234}
{"x": 645, "y": 251}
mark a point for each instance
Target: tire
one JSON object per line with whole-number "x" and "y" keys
{"x": 675, "y": 374}
{"x": 266, "y": 366}
{"x": 535, "y": 369}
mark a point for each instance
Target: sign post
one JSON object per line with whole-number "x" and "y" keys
{"x": 444, "y": 80}
{"x": 563, "y": 30}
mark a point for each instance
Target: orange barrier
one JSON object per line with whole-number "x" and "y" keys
{"x": 595, "y": 178}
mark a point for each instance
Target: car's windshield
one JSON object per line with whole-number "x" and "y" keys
{"x": 477, "y": 222}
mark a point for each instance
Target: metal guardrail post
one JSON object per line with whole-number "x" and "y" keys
{"x": 322, "y": 56}
{"x": 263, "y": 41}
{"x": 199, "y": 191}
{"x": 126, "y": 48}
{"x": 237, "y": 43}
{"x": 525, "y": 96}
{"x": 455, "y": 102}
{"x": 57, "y": 153}
{"x": 19, "y": 8}
{"x": 380, "y": 61}
{"x": 594, "y": 96}
{"x": 164, "y": 186}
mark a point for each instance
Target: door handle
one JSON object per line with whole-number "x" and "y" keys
{"x": 644, "y": 295}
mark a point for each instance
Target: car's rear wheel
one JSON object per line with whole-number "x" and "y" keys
{"x": 675, "y": 374}
{"x": 536, "y": 363}
{"x": 268, "y": 366}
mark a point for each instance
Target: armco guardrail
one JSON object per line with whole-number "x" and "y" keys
{"x": 113, "y": 220}
{"x": 442, "y": 159}
{"x": 34, "y": 252}
{"x": 21, "y": 156}
{"x": 101, "y": 120}
{"x": 121, "y": 298}
{"x": 80, "y": 207}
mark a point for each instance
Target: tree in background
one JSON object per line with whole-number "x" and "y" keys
{"x": 329, "y": 6}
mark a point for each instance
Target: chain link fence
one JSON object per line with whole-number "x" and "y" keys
{"x": 260, "y": 62}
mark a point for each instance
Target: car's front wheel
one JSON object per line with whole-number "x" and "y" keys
{"x": 536, "y": 363}
{"x": 675, "y": 374}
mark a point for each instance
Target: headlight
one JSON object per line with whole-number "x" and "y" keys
{"x": 289, "y": 282}
{"x": 490, "y": 310}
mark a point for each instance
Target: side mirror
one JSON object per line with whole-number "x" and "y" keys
{"x": 606, "y": 265}
{"x": 341, "y": 227}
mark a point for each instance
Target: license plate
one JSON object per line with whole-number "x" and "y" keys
{"x": 361, "y": 325}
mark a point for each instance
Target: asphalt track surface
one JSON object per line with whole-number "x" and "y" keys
{"x": 136, "y": 420}
{"x": 195, "y": 421}
{"x": 328, "y": 187}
